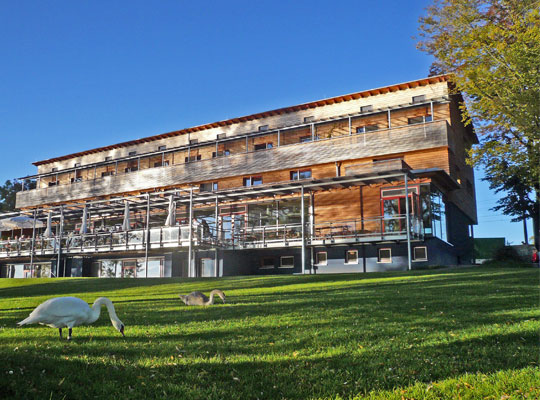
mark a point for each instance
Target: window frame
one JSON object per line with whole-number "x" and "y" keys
{"x": 381, "y": 260}
{"x": 263, "y": 265}
{"x": 286, "y": 266}
{"x": 415, "y": 259}
{"x": 318, "y": 261}
{"x": 348, "y": 261}
{"x": 250, "y": 179}
{"x": 298, "y": 172}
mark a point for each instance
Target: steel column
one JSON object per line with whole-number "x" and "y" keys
{"x": 59, "y": 253}
{"x": 303, "y": 220}
{"x": 33, "y": 244}
{"x": 216, "y": 258}
{"x": 190, "y": 244}
{"x": 408, "y": 222}
{"x": 147, "y": 236}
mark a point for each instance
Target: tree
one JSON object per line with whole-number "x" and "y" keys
{"x": 492, "y": 50}
{"x": 8, "y": 194}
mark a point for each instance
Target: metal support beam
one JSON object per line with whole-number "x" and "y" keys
{"x": 408, "y": 222}
{"x": 190, "y": 244}
{"x": 389, "y": 120}
{"x": 33, "y": 244}
{"x": 350, "y": 126}
{"x": 147, "y": 235}
{"x": 431, "y": 110}
{"x": 60, "y": 233}
{"x": 216, "y": 234}
{"x": 303, "y": 220}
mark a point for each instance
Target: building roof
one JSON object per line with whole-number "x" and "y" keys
{"x": 279, "y": 111}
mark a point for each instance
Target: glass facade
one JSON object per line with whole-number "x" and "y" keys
{"x": 130, "y": 268}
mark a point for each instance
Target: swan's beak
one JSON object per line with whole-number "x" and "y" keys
{"x": 122, "y": 331}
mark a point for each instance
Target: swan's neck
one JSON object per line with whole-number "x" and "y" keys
{"x": 210, "y": 300}
{"x": 96, "y": 308}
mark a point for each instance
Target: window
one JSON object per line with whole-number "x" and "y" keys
{"x": 419, "y": 120}
{"x": 419, "y": 99}
{"x": 53, "y": 183}
{"x": 309, "y": 119}
{"x": 420, "y": 253}
{"x": 107, "y": 173}
{"x": 221, "y": 153}
{"x": 77, "y": 165}
{"x": 385, "y": 256}
{"x": 193, "y": 158}
{"x": 165, "y": 163}
{"x": 267, "y": 263}
{"x": 321, "y": 258}
{"x": 351, "y": 257}
{"x": 263, "y": 146}
{"x": 161, "y": 148}
{"x": 364, "y": 109}
{"x": 208, "y": 187}
{"x": 300, "y": 174}
{"x": 253, "y": 181}
{"x": 367, "y": 128}
{"x": 193, "y": 141}
{"x": 132, "y": 166}
{"x": 132, "y": 153}
{"x": 286, "y": 262}
{"x": 221, "y": 136}
{"x": 304, "y": 139}
{"x": 263, "y": 128}
{"x": 108, "y": 158}
{"x": 54, "y": 169}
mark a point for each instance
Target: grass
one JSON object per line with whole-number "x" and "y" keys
{"x": 448, "y": 333}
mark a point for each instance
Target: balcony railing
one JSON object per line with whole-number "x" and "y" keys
{"x": 284, "y": 156}
{"x": 367, "y": 230}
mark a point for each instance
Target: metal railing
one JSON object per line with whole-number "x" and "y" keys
{"x": 368, "y": 229}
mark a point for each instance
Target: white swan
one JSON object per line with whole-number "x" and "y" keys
{"x": 67, "y": 312}
{"x": 199, "y": 299}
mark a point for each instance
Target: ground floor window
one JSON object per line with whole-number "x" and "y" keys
{"x": 37, "y": 270}
{"x": 287, "y": 262}
{"x": 321, "y": 258}
{"x": 384, "y": 256}
{"x": 351, "y": 257}
{"x": 207, "y": 267}
{"x": 420, "y": 253}
{"x": 130, "y": 268}
{"x": 267, "y": 263}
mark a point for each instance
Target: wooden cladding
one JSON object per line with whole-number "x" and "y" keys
{"x": 399, "y": 140}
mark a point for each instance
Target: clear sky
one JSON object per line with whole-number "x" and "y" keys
{"x": 76, "y": 75}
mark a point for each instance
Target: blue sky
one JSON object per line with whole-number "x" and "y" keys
{"x": 78, "y": 75}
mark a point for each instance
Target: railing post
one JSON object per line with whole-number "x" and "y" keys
{"x": 59, "y": 253}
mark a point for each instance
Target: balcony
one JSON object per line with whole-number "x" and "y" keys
{"x": 288, "y": 235}
{"x": 285, "y": 156}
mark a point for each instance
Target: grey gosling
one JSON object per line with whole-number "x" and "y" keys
{"x": 199, "y": 299}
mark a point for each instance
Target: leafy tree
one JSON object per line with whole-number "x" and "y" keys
{"x": 492, "y": 50}
{"x": 8, "y": 194}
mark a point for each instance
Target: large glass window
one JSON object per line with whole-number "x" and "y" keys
{"x": 433, "y": 211}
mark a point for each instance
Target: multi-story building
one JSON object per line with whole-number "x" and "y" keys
{"x": 318, "y": 187}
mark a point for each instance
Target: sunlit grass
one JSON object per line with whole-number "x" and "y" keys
{"x": 445, "y": 333}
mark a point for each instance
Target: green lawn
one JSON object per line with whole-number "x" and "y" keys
{"x": 469, "y": 333}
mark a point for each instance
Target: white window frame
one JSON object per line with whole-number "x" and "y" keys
{"x": 384, "y": 260}
{"x": 286, "y": 266}
{"x": 317, "y": 261}
{"x": 347, "y": 261}
{"x": 419, "y": 259}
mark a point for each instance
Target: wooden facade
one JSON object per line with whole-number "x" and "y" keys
{"x": 418, "y": 122}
